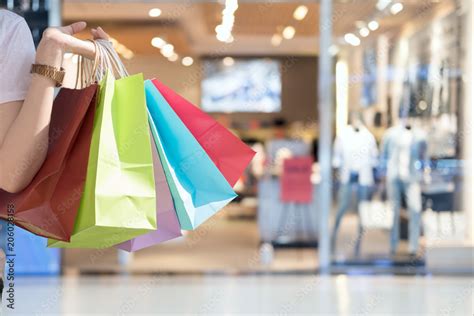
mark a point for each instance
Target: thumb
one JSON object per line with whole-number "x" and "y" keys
{"x": 73, "y": 28}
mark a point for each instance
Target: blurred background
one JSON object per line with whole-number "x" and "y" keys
{"x": 359, "y": 199}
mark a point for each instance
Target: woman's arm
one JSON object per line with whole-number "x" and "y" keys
{"x": 25, "y": 124}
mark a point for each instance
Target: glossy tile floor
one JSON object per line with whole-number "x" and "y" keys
{"x": 218, "y": 246}
{"x": 222, "y": 245}
{"x": 255, "y": 295}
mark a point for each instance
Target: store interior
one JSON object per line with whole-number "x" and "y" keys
{"x": 397, "y": 70}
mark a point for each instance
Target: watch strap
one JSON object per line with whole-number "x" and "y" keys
{"x": 53, "y": 73}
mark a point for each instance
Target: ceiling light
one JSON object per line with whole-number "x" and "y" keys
{"x": 228, "y": 61}
{"x": 154, "y": 13}
{"x": 229, "y": 11}
{"x": 128, "y": 54}
{"x": 228, "y": 21}
{"x": 300, "y": 12}
{"x": 187, "y": 61}
{"x": 289, "y": 32}
{"x": 364, "y": 32}
{"x": 220, "y": 28}
{"x": 276, "y": 39}
{"x": 333, "y": 50}
{"x": 382, "y": 4}
{"x": 121, "y": 49}
{"x": 167, "y": 50}
{"x": 173, "y": 57}
{"x": 359, "y": 24}
{"x": 158, "y": 42}
{"x": 352, "y": 39}
{"x": 396, "y": 8}
{"x": 230, "y": 39}
{"x": 373, "y": 25}
{"x": 223, "y": 36}
{"x": 232, "y": 5}
{"x": 224, "y": 30}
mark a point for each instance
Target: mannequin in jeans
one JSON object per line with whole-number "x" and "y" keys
{"x": 355, "y": 155}
{"x": 404, "y": 150}
{"x": 26, "y": 99}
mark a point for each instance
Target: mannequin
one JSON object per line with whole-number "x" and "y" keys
{"x": 403, "y": 152}
{"x": 355, "y": 155}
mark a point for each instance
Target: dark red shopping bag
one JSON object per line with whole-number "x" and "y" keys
{"x": 48, "y": 206}
{"x": 228, "y": 152}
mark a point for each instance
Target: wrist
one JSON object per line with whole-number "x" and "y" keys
{"x": 49, "y": 53}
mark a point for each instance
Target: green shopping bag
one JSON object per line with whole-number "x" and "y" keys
{"x": 119, "y": 200}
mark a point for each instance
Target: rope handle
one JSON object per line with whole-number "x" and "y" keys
{"x": 106, "y": 58}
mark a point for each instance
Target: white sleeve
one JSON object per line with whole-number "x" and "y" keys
{"x": 17, "y": 53}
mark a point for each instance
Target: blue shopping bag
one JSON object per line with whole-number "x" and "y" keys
{"x": 198, "y": 188}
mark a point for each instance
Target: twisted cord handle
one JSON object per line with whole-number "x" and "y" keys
{"x": 106, "y": 58}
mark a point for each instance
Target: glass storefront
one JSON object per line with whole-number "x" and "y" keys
{"x": 400, "y": 149}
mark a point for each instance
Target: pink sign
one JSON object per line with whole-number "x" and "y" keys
{"x": 295, "y": 182}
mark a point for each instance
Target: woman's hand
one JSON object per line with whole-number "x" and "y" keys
{"x": 58, "y": 40}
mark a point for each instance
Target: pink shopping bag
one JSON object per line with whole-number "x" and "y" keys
{"x": 295, "y": 182}
{"x": 228, "y": 152}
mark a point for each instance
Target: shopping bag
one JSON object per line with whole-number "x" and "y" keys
{"x": 167, "y": 220}
{"x": 376, "y": 214}
{"x": 199, "y": 189}
{"x": 119, "y": 198}
{"x": 48, "y": 206}
{"x": 295, "y": 182}
{"x": 228, "y": 152}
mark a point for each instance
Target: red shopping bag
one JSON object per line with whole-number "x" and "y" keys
{"x": 48, "y": 206}
{"x": 228, "y": 152}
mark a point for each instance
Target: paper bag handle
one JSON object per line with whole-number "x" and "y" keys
{"x": 106, "y": 58}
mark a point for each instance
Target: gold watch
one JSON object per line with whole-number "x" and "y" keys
{"x": 55, "y": 74}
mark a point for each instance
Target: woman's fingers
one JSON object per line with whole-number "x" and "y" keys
{"x": 85, "y": 48}
{"x": 64, "y": 36}
{"x": 102, "y": 34}
{"x": 99, "y": 33}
